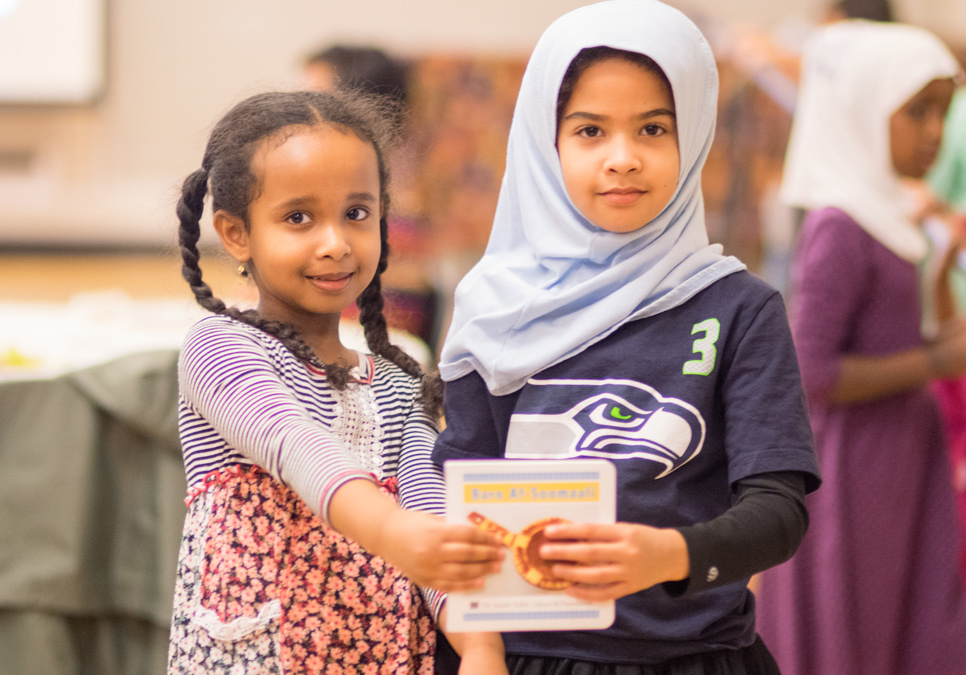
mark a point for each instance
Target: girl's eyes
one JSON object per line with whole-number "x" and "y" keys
{"x": 647, "y": 130}
{"x": 298, "y": 218}
{"x": 357, "y": 213}
{"x": 303, "y": 218}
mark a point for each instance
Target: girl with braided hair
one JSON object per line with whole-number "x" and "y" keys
{"x": 293, "y": 558}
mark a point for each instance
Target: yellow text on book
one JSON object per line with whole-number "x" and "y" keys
{"x": 504, "y": 493}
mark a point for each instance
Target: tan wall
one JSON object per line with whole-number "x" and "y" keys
{"x": 109, "y": 173}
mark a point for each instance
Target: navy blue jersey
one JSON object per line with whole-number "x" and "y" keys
{"x": 685, "y": 403}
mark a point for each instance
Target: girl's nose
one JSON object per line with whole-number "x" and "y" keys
{"x": 622, "y": 156}
{"x": 332, "y": 242}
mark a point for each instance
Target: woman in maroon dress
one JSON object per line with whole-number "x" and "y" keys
{"x": 875, "y": 588}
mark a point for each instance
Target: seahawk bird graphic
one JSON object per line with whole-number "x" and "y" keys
{"x": 614, "y": 419}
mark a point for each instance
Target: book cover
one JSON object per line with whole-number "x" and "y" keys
{"x": 516, "y": 499}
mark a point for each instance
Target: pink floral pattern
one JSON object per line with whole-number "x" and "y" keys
{"x": 265, "y": 587}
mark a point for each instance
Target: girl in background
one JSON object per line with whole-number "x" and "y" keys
{"x": 296, "y": 448}
{"x": 600, "y": 322}
{"x": 875, "y": 588}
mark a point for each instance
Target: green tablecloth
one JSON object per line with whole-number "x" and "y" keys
{"x": 91, "y": 510}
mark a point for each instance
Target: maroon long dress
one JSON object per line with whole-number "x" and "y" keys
{"x": 875, "y": 588}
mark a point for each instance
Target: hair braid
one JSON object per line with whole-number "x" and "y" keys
{"x": 377, "y": 331}
{"x": 374, "y": 325}
{"x": 371, "y": 303}
{"x": 190, "y": 208}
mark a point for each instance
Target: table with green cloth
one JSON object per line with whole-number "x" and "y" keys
{"x": 92, "y": 491}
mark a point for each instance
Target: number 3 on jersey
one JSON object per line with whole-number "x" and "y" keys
{"x": 705, "y": 347}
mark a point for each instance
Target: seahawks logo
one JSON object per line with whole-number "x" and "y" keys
{"x": 614, "y": 419}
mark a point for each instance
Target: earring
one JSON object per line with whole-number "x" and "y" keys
{"x": 242, "y": 271}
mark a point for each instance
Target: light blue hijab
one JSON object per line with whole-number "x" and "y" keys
{"x": 550, "y": 282}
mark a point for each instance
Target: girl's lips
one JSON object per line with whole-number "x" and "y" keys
{"x": 331, "y": 282}
{"x": 622, "y": 197}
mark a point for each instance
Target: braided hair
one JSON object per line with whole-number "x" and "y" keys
{"x": 226, "y": 172}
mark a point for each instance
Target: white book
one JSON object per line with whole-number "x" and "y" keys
{"x": 516, "y": 499}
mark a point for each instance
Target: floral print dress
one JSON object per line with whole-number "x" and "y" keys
{"x": 265, "y": 587}
{"x": 264, "y": 584}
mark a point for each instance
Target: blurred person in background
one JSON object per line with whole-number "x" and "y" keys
{"x": 875, "y": 588}
{"x": 771, "y": 62}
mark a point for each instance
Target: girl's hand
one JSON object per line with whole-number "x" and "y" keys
{"x": 607, "y": 562}
{"x": 484, "y": 658}
{"x": 426, "y": 549}
{"x": 480, "y": 653}
{"x": 947, "y": 353}
{"x": 433, "y": 553}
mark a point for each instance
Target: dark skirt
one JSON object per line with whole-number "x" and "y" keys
{"x": 752, "y": 660}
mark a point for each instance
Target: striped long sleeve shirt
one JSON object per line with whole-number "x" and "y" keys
{"x": 246, "y": 400}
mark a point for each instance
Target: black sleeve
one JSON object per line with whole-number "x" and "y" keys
{"x": 764, "y": 527}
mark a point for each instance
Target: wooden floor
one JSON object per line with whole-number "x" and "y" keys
{"x": 57, "y": 277}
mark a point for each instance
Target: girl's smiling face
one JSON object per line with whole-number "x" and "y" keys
{"x": 618, "y": 145}
{"x": 313, "y": 241}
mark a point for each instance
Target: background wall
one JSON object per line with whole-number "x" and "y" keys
{"x": 108, "y": 173}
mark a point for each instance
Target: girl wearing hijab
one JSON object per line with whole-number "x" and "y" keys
{"x": 875, "y": 588}
{"x": 601, "y": 323}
